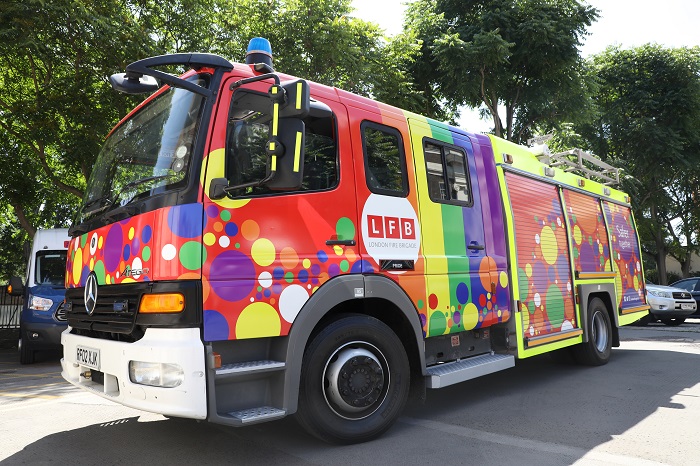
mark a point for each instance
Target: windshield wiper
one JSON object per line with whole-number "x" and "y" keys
{"x": 135, "y": 183}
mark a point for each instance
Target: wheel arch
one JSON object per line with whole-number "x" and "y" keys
{"x": 372, "y": 295}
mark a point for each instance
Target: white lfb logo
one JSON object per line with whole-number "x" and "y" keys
{"x": 390, "y": 228}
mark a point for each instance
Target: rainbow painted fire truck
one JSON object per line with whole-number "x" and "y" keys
{"x": 252, "y": 245}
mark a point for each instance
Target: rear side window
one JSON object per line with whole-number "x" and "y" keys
{"x": 448, "y": 177}
{"x": 385, "y": 163}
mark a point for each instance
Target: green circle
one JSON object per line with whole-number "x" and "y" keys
{"x": 344, "y": 228}
{"x": 238, "y": 245}
{"x": 225, "y": 215}
{"x": 523, "y": 283}
{"x": 146, "y": 253}
{"x": 555, "y": 306}
{"x": 100, "y": 272}
{"x": 289, "y": 277}
{"x": 259, "y": 288}
{"x": 438, "y": 324}
{"x": 420, "y": 304}
{"x": 83, "y": 240}
{"x": 344, "y": 265}
{"x": 192, "y": 255}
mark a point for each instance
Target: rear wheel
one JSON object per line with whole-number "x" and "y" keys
{"x": 596, "y": 351}
{"x": 673, "y": 322}
{"x": 354, "y": 381}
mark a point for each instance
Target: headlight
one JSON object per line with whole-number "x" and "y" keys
{"x": 156, "y": 374}
{"x": 37, "y": 303}
{"x": 661, "y": 294}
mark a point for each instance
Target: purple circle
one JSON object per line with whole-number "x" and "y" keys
{"x": 362, "y": 267}
{"x": 457, "y": 317}
{"x": 146, "y": 234}
{"x": 135, "y": 246}
{"x": 322, "y": 256}
{"x": 333, "y": 270}
{"x": 212, "y": 211}
{"x": 314, "y": 281}
{"x": 215, "y": 326}
{"x": 315, "y": 270}
{"x": 277, "y": 288}
{"x": 231, "y": 229}
{"x": 462, "y": 293}
{"x": 258, "y": 296}
{"x": 84, "y": 274}
{"x": 232, "y": 275}
{"x": 423, "y": 320}
{"x": 127, "y": 252}
{"x": 113, "y": 247}
{"x": 186, "y": 220}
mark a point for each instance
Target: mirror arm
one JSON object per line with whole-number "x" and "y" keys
{"x": 262, "y": 77}
{"x": 228, "y": 189}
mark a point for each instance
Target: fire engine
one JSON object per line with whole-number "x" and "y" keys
{"x": 253, "y": 245}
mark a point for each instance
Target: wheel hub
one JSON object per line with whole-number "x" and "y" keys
{"x": 355, "y": 380}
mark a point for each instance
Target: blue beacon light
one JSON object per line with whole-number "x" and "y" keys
{"x": 259, "y": 54}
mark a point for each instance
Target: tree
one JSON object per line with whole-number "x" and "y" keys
{"x": 649, "y": 124}
{"x": 520, "y": 56}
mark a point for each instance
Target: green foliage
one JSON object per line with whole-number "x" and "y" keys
{"x": 521, "y": 55}
{"x": 649, "y": 124}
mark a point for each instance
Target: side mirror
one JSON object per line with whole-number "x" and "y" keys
{"x": 16, "y": 287}
{"x": 294, "y": 98}
{"x": 285, "y": 164}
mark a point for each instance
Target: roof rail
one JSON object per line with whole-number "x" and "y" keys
{"x": 582, "y": 163}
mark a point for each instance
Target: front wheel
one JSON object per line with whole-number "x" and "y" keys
{"x": 596, "y": 351}
{"x": 354, "y": 381}
{"x": 26, "y": 352}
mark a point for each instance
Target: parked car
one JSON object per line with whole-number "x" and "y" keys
{"x": 668, "y": 304}
{"x": 692, "y": 285}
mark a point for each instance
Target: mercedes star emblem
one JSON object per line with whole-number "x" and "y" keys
{"x": 90, "y": 293}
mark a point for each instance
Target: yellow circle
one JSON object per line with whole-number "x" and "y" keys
{"x": 100, "y": 242}
{"x": 306, "y": 263}
{"x": 77, "y": 266}
{"x": 338, "y": 250}
{"x": 209, "y": 239}
{"x": 503, "y": 279}
{"x": 528, "y": 270}
{"x": 525, "y": 316}
{"x": 263, "y": 252}
{"x": 470, "y": 316}
{"x": 548, "y": 244}
{"x": 600, "y": 248}
{"x": 92, "y": 263}
{"x": 128, "y": 280}
{"x": 214, "y": 167}
{"x": 131, "y": 233}
{"x": 577, "y": 234}
{"x": 636, "y": 283}
{"x": 258, "y": 320}
{"x": 314, "y": 290}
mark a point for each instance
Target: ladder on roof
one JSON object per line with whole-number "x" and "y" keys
{"x": 582, "y": 163}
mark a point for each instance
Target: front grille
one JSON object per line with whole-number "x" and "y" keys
{"x": 115, "y": 310}
{"x": 681, "y": 295}
{"x": 60, "y": 314}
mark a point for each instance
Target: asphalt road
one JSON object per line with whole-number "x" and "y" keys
{"x": 641, "y": 408}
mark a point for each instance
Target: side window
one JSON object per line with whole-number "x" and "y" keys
{"x": 385, "y": 163}
{"x": 246, "y": 137}
{"x": 448, "y": 176}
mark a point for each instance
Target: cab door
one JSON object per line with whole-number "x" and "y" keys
{"x": 267, "y": 251}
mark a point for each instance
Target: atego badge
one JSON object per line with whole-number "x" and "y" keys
{"x": 90, "y": 293}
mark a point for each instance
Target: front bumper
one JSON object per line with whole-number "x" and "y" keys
{"x": 670, "y": 307}
{"x": 174, "y": 346}
{"x": 42, "y": 336}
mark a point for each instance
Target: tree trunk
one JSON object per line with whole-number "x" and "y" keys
{"x": 24, "y": 221}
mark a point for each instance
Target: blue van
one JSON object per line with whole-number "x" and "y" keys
{"x": 43, "y": 317}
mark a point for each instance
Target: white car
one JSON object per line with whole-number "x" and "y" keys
{"x": 669, "y": 305}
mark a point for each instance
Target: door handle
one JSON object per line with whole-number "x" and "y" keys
{"x": 474, "y": 246}
{"x": 340, "y": 242}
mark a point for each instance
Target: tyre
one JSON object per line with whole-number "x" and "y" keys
{"x": 26, "y": 353}
{"x": 355, "y": 380}
{"x": 673, "y": 322}
{"x": 596, "y": 351}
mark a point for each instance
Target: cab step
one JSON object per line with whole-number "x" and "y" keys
{"x": 248, "y": 367}
{"x": 255, "y": 415}
{"x": 450, "y": 373}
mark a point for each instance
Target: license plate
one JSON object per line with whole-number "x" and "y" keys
{"x": 687, "y": 306}
{"x": 88, "y": 357}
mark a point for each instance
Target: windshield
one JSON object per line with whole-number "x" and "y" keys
{"x": 147, "y": 154}
{"x": 50, "y": 268}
